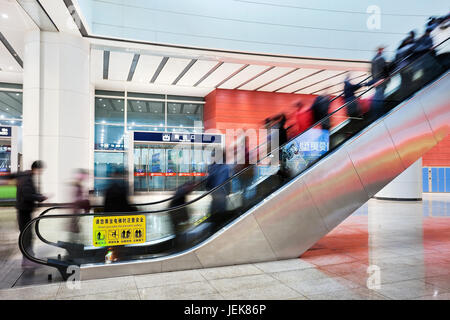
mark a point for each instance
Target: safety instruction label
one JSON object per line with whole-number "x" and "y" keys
{"x": 118, "y": 230}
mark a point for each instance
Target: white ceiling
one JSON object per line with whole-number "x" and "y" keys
{"x": 200, "y": 75}
{"x": 187, "y": 71}
{"x": 14, "y": 23}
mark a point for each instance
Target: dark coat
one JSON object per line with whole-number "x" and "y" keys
{"x": 116, "y": 198}
{"x": 27, "y": 195}
{"x": 379, "y": 68}
{"x": 320, "y": 109}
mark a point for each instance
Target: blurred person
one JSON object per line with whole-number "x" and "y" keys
{"x": 303, "y": 117}
{"x": 379, "y": 70}
{"x": 81, "y": 202}
{"x": 403, "y": 57}
{"x": 320, "y": 109}
{"x": 353, "y": 108}
{"x": 424, "y": 43}
{"x": 116, "y": 194}
{"x": 26, "y": 201}
{"x": 218, "y": 173}
{"x": 410, "y": 39}
{"x": 180, "y": 217}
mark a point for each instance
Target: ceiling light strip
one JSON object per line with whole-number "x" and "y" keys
{"x": 76, "y": 17}
{"x": 159, "y": 69}
{"x": 133, "y": 66}
{"x": 208, "y": 73}
{"x": 11, "y": 50}
{"x": 231, "y": 76}
{"x": 185, "y": 70}
{"x": 106, "y": 55}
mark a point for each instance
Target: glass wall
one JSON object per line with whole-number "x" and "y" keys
{"x": 143, "y": 112}
{"x": 11, "y": 101}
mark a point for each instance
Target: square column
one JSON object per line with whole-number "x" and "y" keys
{"x": 56, "y": 108}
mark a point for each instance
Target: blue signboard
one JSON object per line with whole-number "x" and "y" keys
{"x": 5, "y": 131}
{"x": 177, "y": 137}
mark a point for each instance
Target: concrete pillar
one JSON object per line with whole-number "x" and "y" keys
{"x": 407, "y": 186}
{"x": 56, "y": 104}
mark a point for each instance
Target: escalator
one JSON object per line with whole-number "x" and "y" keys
{"x": 277, "y": 216}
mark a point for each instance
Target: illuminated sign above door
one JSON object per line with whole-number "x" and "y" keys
{"x": 175, "y": 137}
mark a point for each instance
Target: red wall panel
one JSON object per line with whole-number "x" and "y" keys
{"x": 439, "y": 156}
{"x": 234, "y": 109}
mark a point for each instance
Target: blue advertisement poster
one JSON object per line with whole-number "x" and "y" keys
{"x": 306, "y": 148}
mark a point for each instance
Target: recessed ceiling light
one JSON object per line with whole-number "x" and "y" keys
{"x": 4, "y": 16}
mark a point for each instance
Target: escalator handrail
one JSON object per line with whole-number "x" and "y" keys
{"x": 273, "y": 151}
{"x": 213, "y": 189}
{"x": 67, "y": 205}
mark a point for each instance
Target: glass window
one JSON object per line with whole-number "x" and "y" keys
{"x": 10, "y": 105}
{"x": 108, "y": 137}
{"x": 105, "y": 163}
{"x": 145, "y": 113}
{"x": 184, "y": 115}
{"x": 108, "y": 110}
{"x": 146, "y": 128}
{"x": 11, "y": 123}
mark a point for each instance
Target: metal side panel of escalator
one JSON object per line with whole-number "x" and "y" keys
{"x": 293, "y": 218}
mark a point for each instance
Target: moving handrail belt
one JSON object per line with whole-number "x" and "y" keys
{"x": 36, "y": 220}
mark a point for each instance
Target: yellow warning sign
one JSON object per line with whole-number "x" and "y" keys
{"x": 118, "y": 230}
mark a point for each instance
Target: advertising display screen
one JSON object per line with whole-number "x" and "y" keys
{"x": 306, "y": 148}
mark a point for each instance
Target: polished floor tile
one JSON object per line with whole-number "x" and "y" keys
{"x": 407, "y": 289}
{"x": 90, "y": 287}
{"x": 45, "y": 292}
{"x": 245, "y": 282}
{"x": 182, "y": 291}
{"x": 167, "y": 278}
{"x": 349, "y": 294}
{"x": 229, "y": 272}
{"x": 322, "y": 285}
{"x": 284, "y": 265}
{"x": 272, "y": 292}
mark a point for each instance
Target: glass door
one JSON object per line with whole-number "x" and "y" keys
{"x": 141, "y": 167}
{"x": 172, "y": 169}
{"x": 156, "y": 167}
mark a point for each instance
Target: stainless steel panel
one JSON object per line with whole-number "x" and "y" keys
{"x": 88, "y": 272}
{"x": 183, "y": 262}
{"x": 243, "y": 242}
{"x": 410, "y": 131}
{"x": 435, "y": 101}
{"x": 335, "y": 188}
{"x": 375, "y": 158}
{"x": 290, "y": 221}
